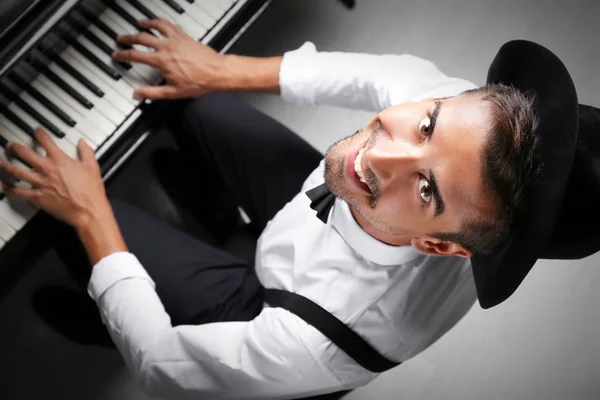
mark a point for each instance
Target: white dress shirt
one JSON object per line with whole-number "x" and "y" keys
{"x": 398, "y": 299}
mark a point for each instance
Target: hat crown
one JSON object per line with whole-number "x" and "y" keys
{"x": 576, "y": 234}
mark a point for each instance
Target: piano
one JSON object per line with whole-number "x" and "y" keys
{"x": 56, "y": 72}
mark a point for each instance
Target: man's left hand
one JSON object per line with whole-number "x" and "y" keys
{"x": 68, "y": 189}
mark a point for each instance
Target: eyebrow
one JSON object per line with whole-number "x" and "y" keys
{"x": 434, "y": 116}
{"x": 437, "y": 196}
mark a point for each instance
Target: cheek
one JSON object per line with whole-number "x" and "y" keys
{"x": 397, "y": 207}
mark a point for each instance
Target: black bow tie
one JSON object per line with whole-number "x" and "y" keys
{"x": 321, "y": 200}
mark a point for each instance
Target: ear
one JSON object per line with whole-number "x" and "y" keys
{"x": 438, "y": 247}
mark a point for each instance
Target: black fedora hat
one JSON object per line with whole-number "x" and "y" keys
{"x": 561, "y": 217}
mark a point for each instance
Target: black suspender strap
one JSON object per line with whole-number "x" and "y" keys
{"x": 334, "y": 329}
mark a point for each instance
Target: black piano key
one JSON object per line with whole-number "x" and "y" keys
{"x": 87, "y": 14}
{"x": 190, "y": 1}
{"x": 70, "y": 37}
{"x": 176, "y": 7}
{"x": 1, "y": 196}
{"x": 91, "y": 37}
{"x": 143, "y": 9}
{"x": 32, "y": 112}
{"x": 108, "y": 31}
{"x": 42, "y": 99}
{"x": 127, "y": 17}
{"x": 37, "y": 64}
{"x": 79, "y": 76}
{"x": 107, "y": 69}
{"x": 101, "y": 44}
{"x": 3, "y": 142}
{"x": 14, "y": 118}
{"x": 74, "y": 73}
{"x": 105, "y": 48}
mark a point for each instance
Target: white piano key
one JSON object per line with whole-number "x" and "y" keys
{"x": 2, "y": 243}
{"x": 138, "y": 76}
{"x": 6, "y": 231}
{"x": 88, "y": 129}
{"x": 103, "y": 81}
{"x": 153, "y": 79}
{"x": 13, "y": 160}
{"x": 134, "y": 12}
{"x": 8, "y": 131}
{"x": 65, "y": 145}
{"x": 13, "y": 133}
{"x": 108, "y": 17}
{"x": 198, "y": 14}
{"x": 104, "y": 126}
{"x": 120, "y": 26}
{"x": 222, "y": 5}
{"x": 100, "y": 103}
{"x": 191, "y": 27}
{"x": 24, "y": 138}
{"x": 46, "y": 86}
{"x": 72, "y": 136}
{"x": 16, "y": 212}
{"x": 211, "y": 8}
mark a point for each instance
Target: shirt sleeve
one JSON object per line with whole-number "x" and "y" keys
{"x": 361, "y": 81}
{"x": 263, "y": 358}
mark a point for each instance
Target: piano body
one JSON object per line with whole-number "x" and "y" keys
{"x": 56, "y": 72}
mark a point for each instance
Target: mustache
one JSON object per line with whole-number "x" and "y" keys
{"x": 371, "y": 179}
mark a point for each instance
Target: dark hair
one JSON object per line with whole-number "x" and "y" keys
{"x": 509, "y": 164}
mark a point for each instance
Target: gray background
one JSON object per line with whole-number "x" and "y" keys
{"x": 543, "y": 343}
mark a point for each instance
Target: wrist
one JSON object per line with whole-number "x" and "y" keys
{"x": 92, "y": 217}
{"x": 241, "y": 73}
{"x": 99, "y": 233}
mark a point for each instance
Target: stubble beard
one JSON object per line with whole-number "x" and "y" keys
{"x": 335, "y": 178}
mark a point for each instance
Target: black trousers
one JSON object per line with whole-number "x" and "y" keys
{"x": 242, "y": 157}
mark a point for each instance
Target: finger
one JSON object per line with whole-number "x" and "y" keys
{"x": 28, "y": 156}
{"x": 164, "y": 27}
{"x": 143, "y": 38}
{"x": 19, "y": 173}
{"x": 180, "y": 30}
{"x": 52, "y": 149}
{"x": 6, "y": 184}
{"x": 156, "y": 92}
{"x": 23, "y": 193}
{"x": 86, "y": 153}
{"x": 137, "y": 56}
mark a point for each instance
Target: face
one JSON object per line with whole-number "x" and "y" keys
{"x": 420, "y": 163}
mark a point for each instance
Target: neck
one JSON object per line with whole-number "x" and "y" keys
{"x": 384, "y": 237}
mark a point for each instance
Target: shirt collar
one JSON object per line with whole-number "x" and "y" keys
{"x": 366, "y": 245}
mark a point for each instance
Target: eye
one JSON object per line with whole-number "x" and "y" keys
{"x": 425, "y": 190}
{"x": 424, "y": 128}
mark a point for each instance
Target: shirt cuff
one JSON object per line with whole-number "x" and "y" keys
{"x": 112, "y": 269}
{"x": 297, "y": 75}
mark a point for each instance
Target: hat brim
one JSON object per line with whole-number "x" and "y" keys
{"x": 537, "y": 72}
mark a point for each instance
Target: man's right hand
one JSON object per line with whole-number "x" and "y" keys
{"x": 193, "y": 69}
{"x": 190, "y": 68}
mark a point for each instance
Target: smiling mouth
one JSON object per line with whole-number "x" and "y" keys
{"x": 356, "y": 172}
{"x": 358, "y": 165}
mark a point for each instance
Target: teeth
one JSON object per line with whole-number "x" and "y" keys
{"x": 357, "y": 166}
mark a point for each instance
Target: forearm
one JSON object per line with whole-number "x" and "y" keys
{"x": 252, "y": 74}
{"x": 100, "y": 234}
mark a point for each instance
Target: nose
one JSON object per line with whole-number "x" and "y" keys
{"x": 393, "y": 161}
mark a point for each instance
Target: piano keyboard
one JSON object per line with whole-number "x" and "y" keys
{"x": 78, "y": 91}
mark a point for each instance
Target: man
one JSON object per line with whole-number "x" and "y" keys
{"x": 470, "y": 176}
